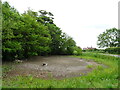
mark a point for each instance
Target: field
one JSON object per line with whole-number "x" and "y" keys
{"x": 100, "y": 77}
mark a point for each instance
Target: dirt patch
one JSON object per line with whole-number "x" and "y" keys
{"x": 56, "y": 67}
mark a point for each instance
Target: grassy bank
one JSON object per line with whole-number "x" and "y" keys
{"x": 100, "y": 77}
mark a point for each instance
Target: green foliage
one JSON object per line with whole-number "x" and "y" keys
{"x": 90, "y": 66}
{"x": 32, "y": 33}
{"x": 11, "y": 45}
{"x": 55, "y": 33}
{"x": 95, "y": 50}
{"x": 109, "y": 38}
{"x": 77, "y": 51}
{"x": 67, "y": 46}
{"x": 90, "y": 50}
{"x": 113, "y": 50}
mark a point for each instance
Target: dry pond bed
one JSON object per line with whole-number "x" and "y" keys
{"x": 56, "y": 67}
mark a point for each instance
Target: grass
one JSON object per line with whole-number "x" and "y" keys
{"x": 90, "y": 66}
{"x": 7, "y": 68}
{"x": 100, "y": 77}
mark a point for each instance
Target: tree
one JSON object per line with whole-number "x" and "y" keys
{"x": 36, "y": 37}
{"x": 32, "y": 33}
{"x": 55, "y": 33}
{"x": 45, "y": 17}
{"x": 67, "y": 45}
{"x": 109, "y": 38}
{"x": 10, "y": 42}
{"x": 22, "y": 35}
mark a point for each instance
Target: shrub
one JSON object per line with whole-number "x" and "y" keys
{"x": 77, "y": 51}
{"x": 94, "y": 50}
{"x": 113, "y": 50}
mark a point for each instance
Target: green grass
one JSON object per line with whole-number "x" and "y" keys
{"x": 100, "y": 77}
{"x": 6, "y": 68}
{"x": 90, "y": 66}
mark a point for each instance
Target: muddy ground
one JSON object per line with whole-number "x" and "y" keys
{"x": 57, "y": 67}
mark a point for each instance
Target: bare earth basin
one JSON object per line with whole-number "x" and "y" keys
{"x": 57, "y": 67}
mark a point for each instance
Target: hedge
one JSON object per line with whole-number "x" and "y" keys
{"x": 113, "y": 50}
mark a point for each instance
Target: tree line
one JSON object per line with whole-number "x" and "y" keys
{"x": 33, "y": 33}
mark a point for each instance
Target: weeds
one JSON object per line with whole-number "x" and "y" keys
{"x": 90, "y": 66}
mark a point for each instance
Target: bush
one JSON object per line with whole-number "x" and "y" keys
{"x": 94, "y": 50}
{"x": 77, "y": 51}
{"x": 113, "y": 50}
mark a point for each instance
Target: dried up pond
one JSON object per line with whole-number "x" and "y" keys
{"x": 57, "y": 67}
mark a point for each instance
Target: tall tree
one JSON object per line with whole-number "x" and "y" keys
{"x": 32, "y": 33}
{"x": 46, "y": 18}
{"x": 10, "y": 42}
{"x": 109, "y": 38}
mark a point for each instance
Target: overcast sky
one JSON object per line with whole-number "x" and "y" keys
{"x": 83, "y": 20}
